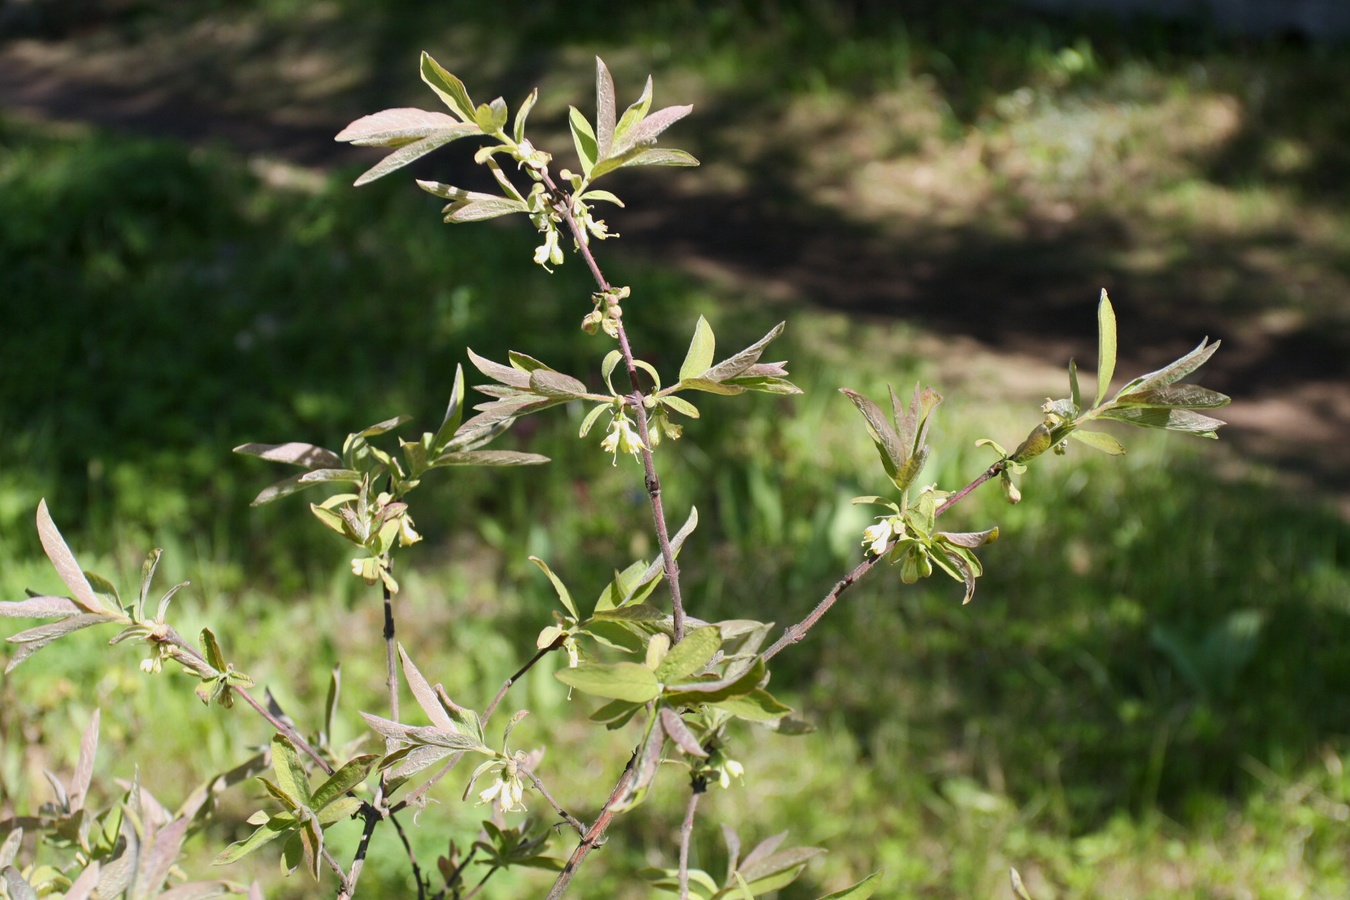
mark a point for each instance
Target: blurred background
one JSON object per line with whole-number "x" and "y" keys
{"x": 1148, "y": 696}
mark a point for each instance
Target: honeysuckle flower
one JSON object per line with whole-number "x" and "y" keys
{"x": 549, "y": 251}
{"x": 160, "y": 649}
{"x": 622, "y": 437}
{"x": 371, "y": 569}
{"x": 508, "y": 791}
{"x": 877, "y": 537}
{"x": 723, "y": 768}
{"x": 407, "y": 535}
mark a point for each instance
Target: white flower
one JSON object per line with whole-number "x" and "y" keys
{"x": 623, "y": 438}
{"x": 879, "y": 535}
{"x": 508, "y": 790}
{"x": 549, "y": 251}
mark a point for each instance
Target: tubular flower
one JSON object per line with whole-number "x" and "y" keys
{"x": 877, "y": 537}
{"x": 622, "y": 437}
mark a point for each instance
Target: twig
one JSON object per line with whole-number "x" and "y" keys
{"x": 795, "y": 633}
{"x": 568, "y": 817}
{"x": 687, "y": 834}
{"x": 652, "y": 481}
{"x": 592, "y": 838}
{"x": 506, "y": 686}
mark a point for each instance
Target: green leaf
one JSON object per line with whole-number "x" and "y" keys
{"x": 288, "y": 486}
{"x": 757, "y": 706}
{"x": 584, "y": 139}
{"x": 615, "y": 681}
{"x": 64, "y": 561}
{"x": 1182, "y": 420}
{"x": 491, "y": 117}
{"x": 645, "y": 133}
{"x": 293, "y": 453}
{"x": 887, "y": 440}
{"x": 495, "y": 458}
{"x": 1106, "y": 346}
{"x": 272, "y": 829}
{"x": 414, "y": 151}
{"x": 291, "y": 777}
{"x": 739, "y": 363}
{"x": 1018, "y": 888}
{"x": 656, "y": 156}
{"x": 395, "y": 127}
{"x": 449, "y": 88}
{"x": 518, "y": 127}
{"x": 556, "y": 385}
{"x": 1174, "y": 396}
{"x": 604, "y": 109}
{"x": 1036, "y": 443}
{"x": 1075, "y": 396}
{"x": 1099, "y": 440}
{"x": 701, "y": 884}
{"x": 698, "y": 693}
{"x": 343, "y": 780}
{"x": 690, "y": 654}
{"x": 34, "y": 639}
{"x": 860, "y": 891}
{"x": 589, "y": 422}
{"x": 700, "y": 356}
{"x": 564, "y": 595}
{"x": 634, "y": 114}
{"x": 214, "y": 657}
{"x": 42, "y": 607}
{"x": 633, "y": 612}
{"x": 1175, "y": 370}
{"x": 681, "y": 406}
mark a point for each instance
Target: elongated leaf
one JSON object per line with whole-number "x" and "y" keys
{"x": 344, "y": 779}
{"x": 383, "y": 427}
{"x": 1106, "y": 346}
{"x": 633, "y": 612}
{"x": 40, "y": 608}
{"x": 288, "y": 486}
{"x": 969, "y": 539}
{"x": 272, "y": 829}
{"x": 634, "y": 114}
{"x": 655, "y": 156}
{"x": 700, "y": 356}
{"x": 653, "y": 572}
{"x": 414, "y": 151}
{"x": 651, "y": 126}
{"x": 879, "y": 428}
{"x": 518, "y": 126}
{"x": 614, "y": 681}
{"x": 556, "y": 385}
{"x": 508, "y": 375}
{"x": 757, "y": 706}
{"x": 605, "y": 111}
{"x": 290, "y": 773}
{"x": 425, "y": 695}
{"x": 860, "y": 891}
{"x": 64, "y": 561}
{"x": 564, "y": 595}
{"x": 1175, "y": 370}
{"x": 1099, "y": 440}
{"x": 294, "y": 453}
{"x": 479, "y": 210}
{"x": 488, "y": 458}
{"x": 449, "y": 88}
{"x": 681, "y": 734}
{"x": 1174, "y": 396}
{"x": 16, "y": 886}
{"x": 584, "y": 139}
{"x": 740, "y": 682}
{"x": 1183, "y": 420}
{"x": 690, "y": 654}
{"x": 395, "y": 127}
{"x": 34, "y": 639}
{"x": 738, "y": 364}
{"x": 84, "y": 768}
{"x": 755, "y": 868}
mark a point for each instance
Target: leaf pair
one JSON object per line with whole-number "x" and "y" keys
{"x": 901, "y": 438}
{"x": 616, "y": 142}
{"x": 735, "y": 374}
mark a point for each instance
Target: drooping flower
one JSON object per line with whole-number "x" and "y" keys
{"x": 877, "y": 537}
{"x": 622, "y": 437}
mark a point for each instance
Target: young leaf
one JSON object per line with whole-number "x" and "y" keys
{"x": 1106, "y": 346}
{"x": 1099, "y": 440}
{"x": 860, "y": 891}
{"x": 690, "y": 654}
{"x": 1175, "y": 370}
{"x": 395, "y": 127}
{"x": 564, "y": 596}
{"x": 64, "y": 562}
{"x": 634, "y": 114}
{"x": 288, "y": 486}
{"x": 584, "y": 139}
{"x": 700, "y": 356}
{"x": 290, "y": 773}
{"x": 414, "y": 151}
{"x": 614, "y": 681}
{"x": 604, "y": 109}
{"x": 449, "y": 88}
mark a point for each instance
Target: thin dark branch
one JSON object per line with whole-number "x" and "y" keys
{"x": 568, "y": 817}
{"x": 593, "y": 837}
{"x": 653, "y": 483}
{"x": 506, "y": 686}
{"x": 795, "y": 633}
{"x": 687, "y": 834}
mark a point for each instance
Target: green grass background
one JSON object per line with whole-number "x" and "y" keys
{"x": 1147, "y": 697}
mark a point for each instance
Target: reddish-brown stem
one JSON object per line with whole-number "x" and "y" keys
{"x": 653, "y": 483}
{"x": 687, "y": 834}
{"x": 506, "y": 686}
{"x": 567, "y": 817}
{"x": 592, "y": 838}
{"x": 795, "y": 633}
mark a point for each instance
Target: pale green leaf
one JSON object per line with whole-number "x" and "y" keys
{"x": 1174, "y": 396}
{"x": 1175, "y": 370}
{"x": 584, "y": 140}
{"x": 1099, "y": 440}
{"x": 449, "y": 88}
{"x": 414, "y": 151}
{"x": 860, "y": 891}
{"x": 293, "y": 453}
{"x": 701, "y": 349}
{"x": 605, "y": 109}
{"x": 288, "y": 486}
{"x": 615, "y": 681}
{"x": 564, "y": 595}
{"x": 395, "y": 127}
{"x": 1106, "y": 346}
{"x": 689, "y": 655}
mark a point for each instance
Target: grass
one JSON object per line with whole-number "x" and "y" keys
{"x": 1146, "y": 697}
